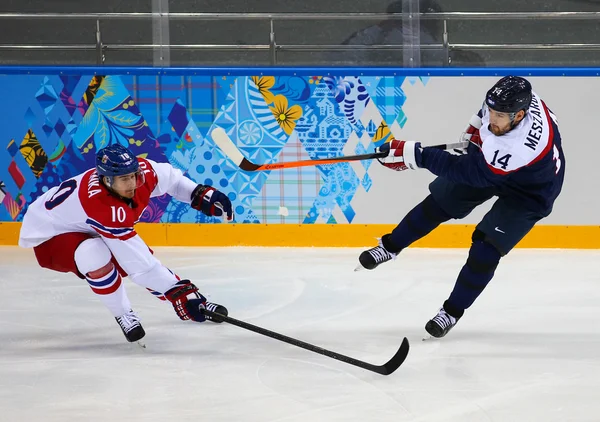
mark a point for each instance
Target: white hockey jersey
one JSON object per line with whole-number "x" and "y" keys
{"x": 84, "y": 204}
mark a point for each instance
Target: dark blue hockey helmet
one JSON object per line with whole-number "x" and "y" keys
{"x": 510, "y": 94}
{"x": 116, "y": 160}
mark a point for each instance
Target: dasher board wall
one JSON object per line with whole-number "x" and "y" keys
{"x": 55, "y": 119}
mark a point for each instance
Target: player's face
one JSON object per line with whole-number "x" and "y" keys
{"x": 126, "y": 185}
{"x": 500, "y": 123}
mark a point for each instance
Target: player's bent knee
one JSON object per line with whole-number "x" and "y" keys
{"x": 478, "y": 235}
{"x": 483, "y": 256}
{"x": 93, "y": 257}
{"x": 107, "y": 269}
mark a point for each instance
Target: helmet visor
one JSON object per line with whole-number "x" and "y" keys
{"x": 128, "y": 181}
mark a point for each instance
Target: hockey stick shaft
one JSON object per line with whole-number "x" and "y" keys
{"x": 228, "y": 147}
{"x": 343, "y": 159}
{"x": 317, "y": 162}
{"x": 385, "y": 369}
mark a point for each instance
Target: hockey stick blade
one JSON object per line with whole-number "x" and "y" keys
{"x": 385, "y": 369}
{"x": 228, "y": 147}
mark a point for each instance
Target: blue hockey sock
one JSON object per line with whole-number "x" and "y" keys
{"x": 420, "y": 221}
{"x": 474, "y": 276}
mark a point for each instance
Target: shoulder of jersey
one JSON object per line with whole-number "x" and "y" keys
{"x": 150, "y": 174}
{"x": 535, "y": 138}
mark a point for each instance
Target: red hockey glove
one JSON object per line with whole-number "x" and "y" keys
{"x": 401, "y": 155}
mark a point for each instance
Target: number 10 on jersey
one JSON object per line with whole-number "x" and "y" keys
{"x": 118, "y": 214}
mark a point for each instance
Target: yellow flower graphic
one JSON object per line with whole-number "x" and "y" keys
{"x": 286, "y": 117}
{"x": 264, "y": 84}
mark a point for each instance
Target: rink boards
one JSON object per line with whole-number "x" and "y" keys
{"x": 54, "y": 119}
{"x": 326, "y": 235}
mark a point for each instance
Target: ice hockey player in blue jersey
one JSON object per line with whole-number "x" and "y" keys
{"x": 514, "y": 154}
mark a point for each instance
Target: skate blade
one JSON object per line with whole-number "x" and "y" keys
{"x": 141, "y": 344}
{"x": 359, "y": 268}
{"x": 429, "y": 337}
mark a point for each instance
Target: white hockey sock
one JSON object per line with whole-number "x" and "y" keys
{"x": 111, "y": 291}
{"x": 158, "y": 280}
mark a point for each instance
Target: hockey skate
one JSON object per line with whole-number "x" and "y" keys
{"x": 441, "y": 324}
{"x": 372, "y": 258}
{"x": 131, "y": 327}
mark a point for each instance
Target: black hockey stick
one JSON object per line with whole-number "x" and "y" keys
{"x": 385, "y": 369}
{"x": 226, "y": 145}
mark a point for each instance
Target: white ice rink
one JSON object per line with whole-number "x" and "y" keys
{"x": 528, "y": 350}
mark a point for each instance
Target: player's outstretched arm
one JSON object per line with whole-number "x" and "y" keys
{"x": 470, "y": 169}
{"x": 203, "y": 198}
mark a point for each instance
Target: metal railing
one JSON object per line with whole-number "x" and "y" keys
{"x": 310, "y": 16}
{"x": 273, "y": 47}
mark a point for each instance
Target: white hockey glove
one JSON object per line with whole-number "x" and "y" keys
{"x": 401, "y": 155}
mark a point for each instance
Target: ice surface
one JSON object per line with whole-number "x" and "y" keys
{"x": 528, "y": 349}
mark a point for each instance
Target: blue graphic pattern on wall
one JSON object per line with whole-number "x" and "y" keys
{"x": 58, "y": 122}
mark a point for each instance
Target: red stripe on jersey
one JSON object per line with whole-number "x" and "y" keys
{"x": 550, "y": 143}
{"x": 128, "y": 235}
{"x": 499, "y": 171}
{"x": 108, "y": 235}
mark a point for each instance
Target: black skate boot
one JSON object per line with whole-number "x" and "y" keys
{"x": 130, "y": 324}
{"x": 372, "y": 258}
{"x": 216, "y": 308}
{"x": 441, "y": 324}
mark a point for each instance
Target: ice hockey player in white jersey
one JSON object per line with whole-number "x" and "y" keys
{"x": 515, "y": 155}
{"x": 86, "y": 226}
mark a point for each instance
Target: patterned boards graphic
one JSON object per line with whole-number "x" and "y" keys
{"x": 53, "y": 125}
